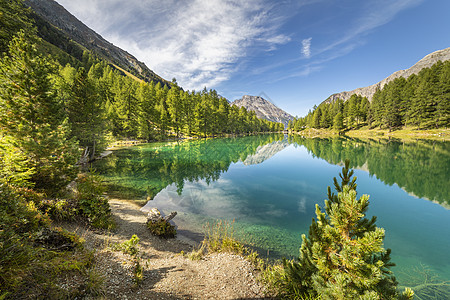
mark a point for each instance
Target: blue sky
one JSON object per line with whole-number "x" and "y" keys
{"x": 293, "y": 53}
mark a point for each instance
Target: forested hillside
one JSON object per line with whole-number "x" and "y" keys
{"x": 60, "y": 28}
{"x": 60, "y": 103}
{"x": 102, "y": 104}
{"x": 421, "y": 101}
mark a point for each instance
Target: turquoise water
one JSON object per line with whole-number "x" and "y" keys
{"x": 269, "y": 185}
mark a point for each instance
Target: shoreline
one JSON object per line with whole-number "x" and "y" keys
{"x": 407, "y": 134}
{"x": 167, "y": 271}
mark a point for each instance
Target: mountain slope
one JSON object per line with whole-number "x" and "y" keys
{"x": 263, "y": 109}
{"x": 69, "y": 25}
{"x": 368, "y": 91}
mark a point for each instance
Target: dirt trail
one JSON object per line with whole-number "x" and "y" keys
{"x": 167, "y": 274}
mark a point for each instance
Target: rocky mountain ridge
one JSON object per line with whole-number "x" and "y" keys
{"x": 58, "y": 16}
{"x": 426, "y": 62}
{"x": 263, "y": 109}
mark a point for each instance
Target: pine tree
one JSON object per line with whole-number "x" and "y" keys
{"x": 175, "y": 108}
{"x": 147, "y": 113}
{"x": 443, "y": 96}
{"x": 33, "y": 117}
{"x": 392, "y": 109}
{"x": 316, "y": 117}
{"x": 86, "y": 113}
{"x": 338, "y": 122}
{"x": 343, "y": 256}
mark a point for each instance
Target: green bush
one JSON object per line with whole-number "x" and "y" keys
{"x": 60, "y": 209}
{"x": 34, "y": 257}
{"x": 19, "y": 225}
{"x": 91, "y": 201}
{"x": 162, "y": 228}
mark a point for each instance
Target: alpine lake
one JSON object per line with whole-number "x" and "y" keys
{"x": 269, "y": 185}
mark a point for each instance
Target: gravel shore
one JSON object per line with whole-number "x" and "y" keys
{"x": 167, "y": 273}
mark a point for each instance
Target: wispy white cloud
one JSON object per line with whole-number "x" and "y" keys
{"x": 306, "y": 47}
{"x": 198, "y": 42}
{"x": 375, "y": 13}
{"x": 372, "y": 14}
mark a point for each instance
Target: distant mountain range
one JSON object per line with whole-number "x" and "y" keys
{"x": 263, "y": 109}
{"x": 65, "y": 24}
{"x": 426, "y": 62}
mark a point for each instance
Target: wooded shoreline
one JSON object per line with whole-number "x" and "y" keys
{"x": 442, "y": 134}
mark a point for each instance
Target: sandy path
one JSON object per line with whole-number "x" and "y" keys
{"x": 167, "y": 274}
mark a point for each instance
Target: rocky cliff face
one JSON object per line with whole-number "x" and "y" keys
{"x": 59, "y": 17}
{"x": 368, "y": 91}
{"x": 263, "y": 109}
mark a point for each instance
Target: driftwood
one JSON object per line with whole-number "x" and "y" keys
{"x": 154, "y": 215}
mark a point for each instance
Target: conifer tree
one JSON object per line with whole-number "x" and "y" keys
{"x": 343, "y": 256}
{"x": 86, "y": 113}
{"x": 33, "y": 117}
{"x": 175, "y": 107}
{"x": 338, "y": 121}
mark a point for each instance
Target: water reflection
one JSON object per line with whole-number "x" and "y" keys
{"x": 142, "y": 172}
{"x": 421, "y": 168}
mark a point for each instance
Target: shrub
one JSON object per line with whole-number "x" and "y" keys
{"x": 60, "y": 209}
{"x": 162, "y": 228}
{"x": 128, "y": 247}
{"x": 19, "y": 226}
{"x": 34, "y": 257}
{"x": 91, "y": 201}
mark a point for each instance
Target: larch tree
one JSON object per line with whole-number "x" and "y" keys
{"x": 33, "y": 117}
{"x": 86, "y": 113}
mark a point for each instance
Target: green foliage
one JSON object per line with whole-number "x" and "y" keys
{"x": 33, "y": 118}
{"x": 92, "y": 202}
{"x": 138, "y": 271}
{"x": 155, "y": 111}
{"x": 130, "y": 247}
{"x": 14, "y": 17}
{"x": 162, "y": 228}
{"x": 34, "y": 257}
{"x": 14, "y": 164}
{"x": 85, "y": 110}
{"x": 343, "y": 256}
{"x": 60, "y": 209}
{"x": 19, "y": 226}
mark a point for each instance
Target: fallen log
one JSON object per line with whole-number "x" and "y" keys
{"x": 154, "y": 215}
